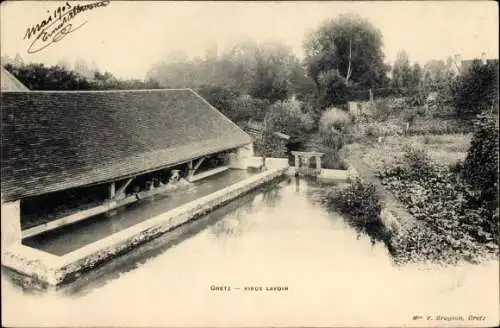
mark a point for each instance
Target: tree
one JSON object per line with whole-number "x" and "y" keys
{"x": 18, "y": 60}
{"x": 476, "y": 90}
{"x": 416, "y": 76}
{"x": 39, "y": 77}
{"x": 438, "y": 70}
{"x": 350, "y": 45}
{"x": 333, "y": 90}
{"x": 273, "y": 69}
{"x": 401, "y": 71}
{"x": 287, "y": 117}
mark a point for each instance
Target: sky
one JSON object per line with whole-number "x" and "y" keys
{"x": 126, "y": 38}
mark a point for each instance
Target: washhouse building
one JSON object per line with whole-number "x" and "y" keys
{"x": 70, "y": 155}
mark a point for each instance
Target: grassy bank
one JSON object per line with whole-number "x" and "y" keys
{"x": 451, "y": 221}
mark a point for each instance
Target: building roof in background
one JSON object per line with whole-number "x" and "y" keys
{"x": 10, "y": 83}
{"x": 256, "y": 129}
{"x": 55, "y": 140}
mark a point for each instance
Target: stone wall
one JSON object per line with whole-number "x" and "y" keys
{"x": 11, "y": 223}
{"x": 54, "y": 270}
{"x": 239, "y": 159}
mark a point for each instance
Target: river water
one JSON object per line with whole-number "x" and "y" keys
{"x": 306, "y": 267}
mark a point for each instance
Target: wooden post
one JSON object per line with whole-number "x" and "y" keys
{"x": 190, "y": 169}
{"x": 111, "y": 190}
{"x": 318, "y": 162}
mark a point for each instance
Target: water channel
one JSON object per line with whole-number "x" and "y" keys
{"x": 279, "y": 236}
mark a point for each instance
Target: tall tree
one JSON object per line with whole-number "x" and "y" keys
{"x": 18, "y": 60}
{"x": 477, "y": 89}
{"x": 416, "y": 76}
{"x": 40, "y": 77}
{"x": 350, "y": 45}
{"x": 437, "y": 70}
{"x": 272, "y": 75}
{"x": 401, "y": 71}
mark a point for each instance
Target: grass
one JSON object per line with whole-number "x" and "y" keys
{"x": 444, "y": 149}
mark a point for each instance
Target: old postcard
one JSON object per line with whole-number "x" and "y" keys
{"x": 249, "y": 164}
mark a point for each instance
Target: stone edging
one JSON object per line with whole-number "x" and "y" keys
{"x": 53, "y": 270}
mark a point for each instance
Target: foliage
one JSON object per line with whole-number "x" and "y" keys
{"x": 40, "y": 77}
{"x": 384, "y": 108}
{"x": 333, "y": 160}
{"x": 416, "y": 76}
{"x": 245, "y": 108}
{"x": 349, "y": 44}
{"x": 269, "y": 145}
{"x": 335, "y": 128}
{"x": 452, "y": 225}
{"x": 480, "y": 168}
{"x": 476, "y": 90}
{"x": 401, "y": 71}
{"x": 287, "y": 117}
{"x": 274, "y": 64}
{"x": 333, "y": 90}
{"x": 107, "y": 81}
{"x": 361, "y": 204}
{"x": 437, "y": 71}
{"x": 268, "y": 71}
{"x": 221, "y": 98}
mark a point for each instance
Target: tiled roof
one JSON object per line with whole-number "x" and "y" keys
{"x": 9, "y": 82}
{"x": 57, "y": 140}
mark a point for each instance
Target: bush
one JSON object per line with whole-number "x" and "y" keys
{"x": 332, "y": 160}
{"x": 418, "y": 163}
{"x": 477, "y": 90}
{"x": 335, "y": 128}
{"x": 480, "y": 168}
{"x": 221, "y": 98}
{"x": 454, "y": 225}
{"x": 333, "y": 90}
{"x": 287, "y": 117}
{"x": 361, "y": 205}
{"x": 245, "y": 108}
{"x": 385, "y": 108}
{"x": 269, "y": 145}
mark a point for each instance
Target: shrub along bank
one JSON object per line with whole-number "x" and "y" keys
{"x": 457, "y": 206}
{"x": 361, "y": 205}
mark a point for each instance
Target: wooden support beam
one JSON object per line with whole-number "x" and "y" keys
{"x": 192, "y": 170}
{"x": 121, "y": 190}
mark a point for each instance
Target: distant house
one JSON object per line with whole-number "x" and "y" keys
{"x": 10, "y": 83}
{"x": 461, "y": 66}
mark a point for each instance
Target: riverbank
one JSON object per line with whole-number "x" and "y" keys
{"x": 439, "y": 221}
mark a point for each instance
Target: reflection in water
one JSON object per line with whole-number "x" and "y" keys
{"x": 271, "y": 238}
